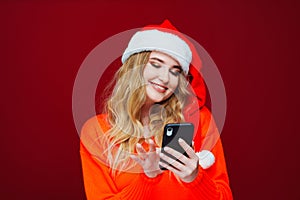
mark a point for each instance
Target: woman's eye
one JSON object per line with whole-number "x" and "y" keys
{"x": 175, "y": 72}
{"x": 155, "y": 65}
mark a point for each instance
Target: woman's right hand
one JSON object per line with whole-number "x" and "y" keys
{"x": 148, "y": 160}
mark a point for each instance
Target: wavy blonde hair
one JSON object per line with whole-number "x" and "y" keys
{"x": 124, "y": 111}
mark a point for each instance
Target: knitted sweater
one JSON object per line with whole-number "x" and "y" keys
{"x": 211, "y": 183}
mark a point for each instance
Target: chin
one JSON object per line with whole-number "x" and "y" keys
{"x": 156, "y": 99}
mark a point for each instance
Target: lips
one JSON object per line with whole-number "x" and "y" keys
{"x": 158, "y": 87}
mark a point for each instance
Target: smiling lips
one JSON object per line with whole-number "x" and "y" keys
{"x": 158, "y": 87}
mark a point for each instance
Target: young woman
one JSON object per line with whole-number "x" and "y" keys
{"x": 120, "y": 149}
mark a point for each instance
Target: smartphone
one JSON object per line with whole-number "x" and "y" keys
{"x": 172, "y": 132}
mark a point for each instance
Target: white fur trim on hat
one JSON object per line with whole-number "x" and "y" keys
{"x": 155, "y": 40}
{"x": 206, "y": 159}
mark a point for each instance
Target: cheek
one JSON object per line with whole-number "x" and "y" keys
{"x": 147, "y": 73}
{"x": 173, "y": 84}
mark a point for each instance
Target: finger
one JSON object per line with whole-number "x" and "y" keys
{"x": 188, "y": 149}
{"x": 176, "y": 164}
{"x": 181, "y": 173}
{"x": 188, "y": 164}
{"x": 140, "y": 149}
{"x": 176, "y": 154}
{"x": 158, "y": 150}
{"x": 151, "y": 146}
{"x": 169, "y": 167}
{"x": 137, "y": 159}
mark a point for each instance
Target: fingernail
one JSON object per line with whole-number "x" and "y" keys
{"x": 180, "y": 140}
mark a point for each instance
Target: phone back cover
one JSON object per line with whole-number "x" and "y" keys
{"x": 184, "y": 131}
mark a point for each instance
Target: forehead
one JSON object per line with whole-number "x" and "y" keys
{"x": 164, "y": 57}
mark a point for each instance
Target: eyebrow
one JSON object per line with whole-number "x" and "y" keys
{"x": 161, "y": 61}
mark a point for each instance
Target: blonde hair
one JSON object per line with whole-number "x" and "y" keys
{"x": 124, "y": 105}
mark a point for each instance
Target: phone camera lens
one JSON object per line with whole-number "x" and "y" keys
{"x": 169, "y": 131}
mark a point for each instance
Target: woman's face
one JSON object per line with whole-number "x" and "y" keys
{"x": 161, "y": 75}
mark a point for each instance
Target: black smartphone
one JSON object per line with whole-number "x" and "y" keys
{"x": 172, "y": 132}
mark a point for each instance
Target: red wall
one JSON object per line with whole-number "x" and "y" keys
{"x": 255, "y": 45}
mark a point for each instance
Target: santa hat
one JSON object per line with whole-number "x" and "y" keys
{"x": 164, "y": 38}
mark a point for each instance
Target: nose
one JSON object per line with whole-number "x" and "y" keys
{"x": 164, "y": 74}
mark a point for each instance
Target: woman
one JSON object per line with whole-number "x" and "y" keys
{"x": 120, "y": 149}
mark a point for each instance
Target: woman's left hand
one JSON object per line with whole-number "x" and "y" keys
{"x": 148, "y": 160}
{"x": 187, "y": 171}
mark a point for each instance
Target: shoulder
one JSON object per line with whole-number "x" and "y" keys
{"x": 205, "y": 112}
{"x": 96, "y": 122}
{"x": 207, "y": 121}
{"x": 95, "y": 126}
{"x": 205, "y": 115}
{"x": 93, "y": 140}
{"x": 206, "y": 131}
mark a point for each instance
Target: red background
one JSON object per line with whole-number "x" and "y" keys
{"x": 254, "y": 43}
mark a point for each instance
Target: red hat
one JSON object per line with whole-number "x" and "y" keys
{"x": 161, "y": 39}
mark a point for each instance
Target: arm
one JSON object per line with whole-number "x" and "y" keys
{"x": 98, "y": 182}
{"x": 210, "y": 183}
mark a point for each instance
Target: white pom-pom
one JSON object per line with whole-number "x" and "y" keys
{"x": 206, "y": 159}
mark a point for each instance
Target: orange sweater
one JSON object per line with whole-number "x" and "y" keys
{"x": 211, "y": 183}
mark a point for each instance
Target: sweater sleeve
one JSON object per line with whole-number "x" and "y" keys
{"x": 211, "y": 183}
{"x": 99, "y": 184}
{"x": 98, "y": 181}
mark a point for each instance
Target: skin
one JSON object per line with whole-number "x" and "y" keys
{"x": 161, "y": 75}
